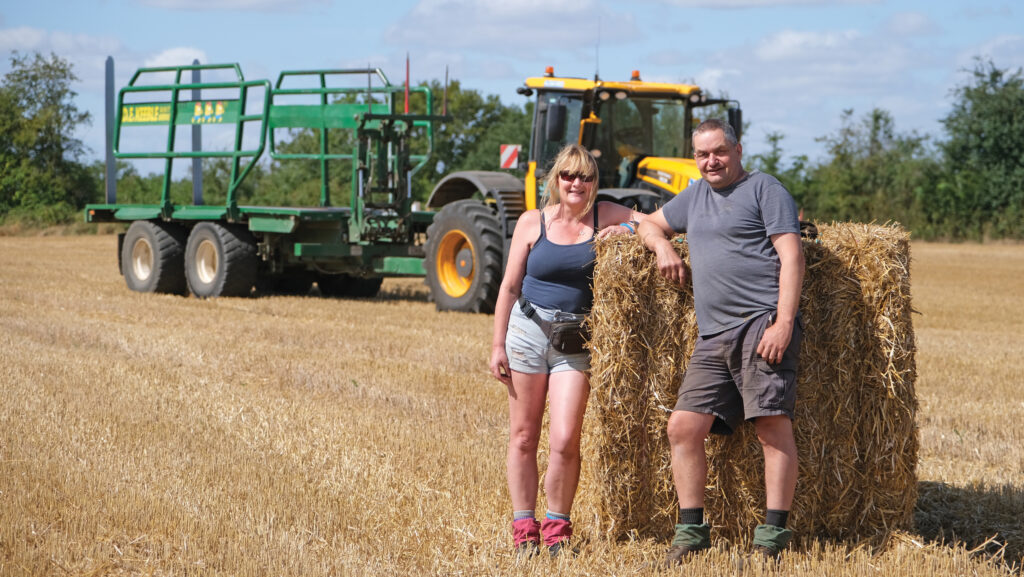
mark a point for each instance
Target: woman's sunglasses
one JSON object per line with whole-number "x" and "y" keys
{"x": 571, "y": 176}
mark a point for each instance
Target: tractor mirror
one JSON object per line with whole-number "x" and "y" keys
{"x": 554, "y": 129}
{"x": 588, "y": 134}
{"x": 736, "y": 122}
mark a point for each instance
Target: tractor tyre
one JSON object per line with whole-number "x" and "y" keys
{"x": 220, "y": 260}
{"x": 464, "y": 257}
{"x": 344, "y": 285}
{"x": 152, "y": 257}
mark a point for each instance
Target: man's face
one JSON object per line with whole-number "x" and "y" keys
{"x": 719, "y": 162}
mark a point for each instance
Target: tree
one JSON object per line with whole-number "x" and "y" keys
{"x": 471, "y": 140}
{"x": 874, "y": 174}
{"x": 983, "y": 186}
{"x": 42, "y": 177}
{"x": 794, "y": 178}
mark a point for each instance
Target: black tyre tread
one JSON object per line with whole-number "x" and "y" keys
{"x": 481, "y": 296}
{"x": 240, "y": 264}
{"x": 238, "y": 260}
{"x": 168, "y": 242}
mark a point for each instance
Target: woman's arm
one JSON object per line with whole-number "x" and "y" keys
{"x": 527, "y": 231}
{"x": 616, "y": 219}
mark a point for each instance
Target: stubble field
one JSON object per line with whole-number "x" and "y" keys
{"x": 161, "y": 435}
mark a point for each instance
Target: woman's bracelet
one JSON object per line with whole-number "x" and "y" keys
{"x": 631, "y": 225}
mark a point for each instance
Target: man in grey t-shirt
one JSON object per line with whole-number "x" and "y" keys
{"x": 743, "y": 234}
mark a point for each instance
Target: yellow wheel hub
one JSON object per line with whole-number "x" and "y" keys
{"x": 455, "y": 263}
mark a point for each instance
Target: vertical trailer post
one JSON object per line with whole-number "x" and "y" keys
{"x": 111, "y": 175}
{"x": 197, "y": 143}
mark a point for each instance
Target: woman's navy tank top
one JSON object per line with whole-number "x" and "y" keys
{"x": 560, "y": 276}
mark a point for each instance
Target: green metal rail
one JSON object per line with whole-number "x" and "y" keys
{"x": 376, "y": 231}
{"x": 348, "y": 115}
{"x": 178, "y": 111}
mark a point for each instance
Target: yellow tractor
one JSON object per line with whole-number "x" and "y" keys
{"x": 640, "y": 134}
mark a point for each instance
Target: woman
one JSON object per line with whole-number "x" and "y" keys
{"x": 550, "y": 265}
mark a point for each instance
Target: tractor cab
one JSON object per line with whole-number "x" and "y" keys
{"x": 638, "y": 131}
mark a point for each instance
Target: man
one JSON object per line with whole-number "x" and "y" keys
{"x": 743, "y": 234}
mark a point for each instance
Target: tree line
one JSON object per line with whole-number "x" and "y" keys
{"x": 968, "y": 184}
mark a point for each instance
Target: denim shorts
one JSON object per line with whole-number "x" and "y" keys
{"x": 529, "y": 350}
{"x": 727, "y": 378}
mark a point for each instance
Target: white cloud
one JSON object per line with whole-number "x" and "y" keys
{"x": 797, "y": 45}
{"x": 235, "y": 5}
{"x": 718, "y": 81}
{"x": 976, "y": 12}
{"x": 180, "y": 56}
{"x": 798, "y": 82}
{"x": 1005, "y": 51}
{"x": 25, "y": 39}
{"x": 513, "y": 29}
{"x": 511, "y": 8}
{"x": 22, "y": 39}
{"x": 727, "y": 4}
{"x": 912, "y": 24}
{"x": 669, "y": 58}
{"x": 495, "y": 45}
{"x": 86, "y": 54}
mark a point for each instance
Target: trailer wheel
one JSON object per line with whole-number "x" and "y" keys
{"x": 152, "y": 257}
{"x": 220, "y": 260}
{"x": 464, "y": 257}
{"x": 344, "y": 285}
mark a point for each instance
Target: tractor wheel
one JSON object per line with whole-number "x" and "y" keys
{"x": 343, "y": 285}
{"x": 464, "y": 258}
{"x": 220, "y": 260}
{"x": 152, "y": 258}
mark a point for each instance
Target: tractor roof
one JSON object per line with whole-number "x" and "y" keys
{"x": 634, "y": 86}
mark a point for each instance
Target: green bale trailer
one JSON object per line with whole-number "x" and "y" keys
{"x": 233, "y": 248}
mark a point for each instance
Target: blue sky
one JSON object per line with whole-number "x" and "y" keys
{"x": 795, "y": 65}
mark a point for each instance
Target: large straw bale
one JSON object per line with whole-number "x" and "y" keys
{"x": 855, "y": 429}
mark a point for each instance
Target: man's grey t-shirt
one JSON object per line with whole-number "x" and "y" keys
{"x": 734, "y": 265}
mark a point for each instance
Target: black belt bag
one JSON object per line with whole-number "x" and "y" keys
{"x": 566, "y": 336}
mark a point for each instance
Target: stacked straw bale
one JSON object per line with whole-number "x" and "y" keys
{"x": 855, "y": 429}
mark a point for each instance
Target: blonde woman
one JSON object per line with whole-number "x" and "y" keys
{"x": 549, "y": 277}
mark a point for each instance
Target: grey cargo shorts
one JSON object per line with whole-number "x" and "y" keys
{"x": 728, "y": 379}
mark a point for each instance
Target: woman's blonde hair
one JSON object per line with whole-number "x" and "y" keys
{"x": 572, "y": 158}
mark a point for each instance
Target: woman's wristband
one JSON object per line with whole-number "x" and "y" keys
{"x": 631, "y": 225}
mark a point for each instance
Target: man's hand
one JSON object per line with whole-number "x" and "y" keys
{"x": 791, "y": 277}
{"x": 775, "y": 341}
{"x": 654, "y": 232}
{"x": 670, "y": 264}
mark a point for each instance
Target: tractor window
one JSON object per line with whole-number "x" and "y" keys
{"x": 635, "y": 127}
{"x": 669, "y": 132}
{"x": 571, "y": 109}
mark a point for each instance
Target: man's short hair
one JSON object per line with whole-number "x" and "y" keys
{"x": 717, "y": 124}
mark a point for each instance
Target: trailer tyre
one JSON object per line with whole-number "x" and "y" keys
{"x": 464, "y": 257}
{"x": 152, "y": 257}
{"x": 220, "y": 260}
